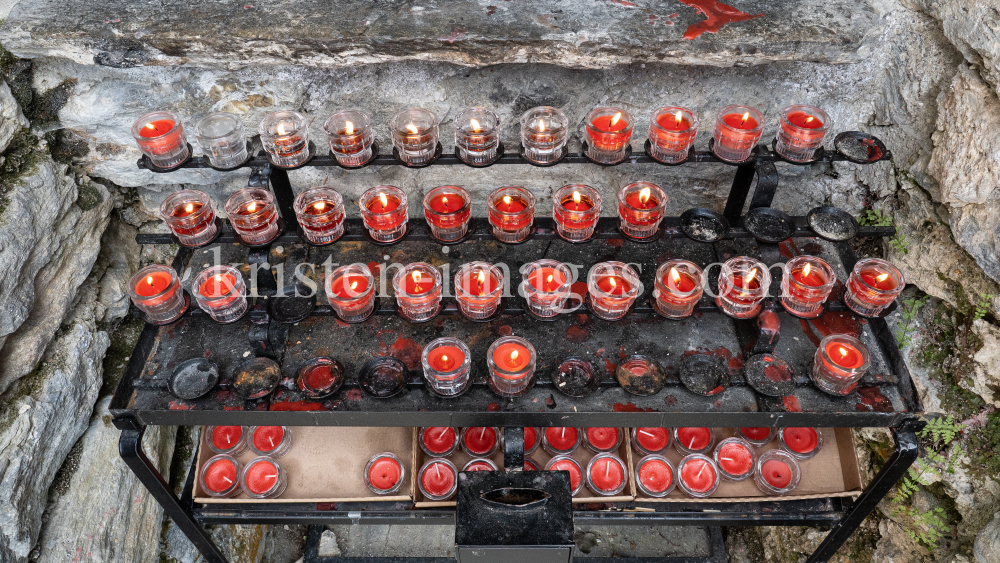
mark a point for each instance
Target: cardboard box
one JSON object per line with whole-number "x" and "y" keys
{"x": 459, "y": 458}
{"x": 583, "y": 455}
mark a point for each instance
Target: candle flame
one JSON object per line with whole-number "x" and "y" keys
{"x": 843, "y": 351}
{"x": 354, "y": 284}
{"x": 320, "y": 205}
{"x": 746, "y": 116}
{"x": 151, "y": 126}
{"x": 218, "y": 278}
{"x": 753, "y": 274}
{"x": 677, "y": 119}
{"x": 189, "y": 208}
{"x": 614, "y": 284}
{"x": 541, "y": 126}
{"x": 475, "y": 125}
{"x": 348, "y": 128}
{"x": 506, "y": 201}
{"x": 412, "y": 128}
{"x": 810, "y": 119}
{"x": 576, "y": 197}
{"x": 482, "y": 280}
{"x": 383, "y": 200}
{"x": 416, "y": 277}
{"x": 644, "y": 195}
{"x": 881, "y": 277}
{"x": 444, "y": 201}
{"x": 149, "y": 280}
{"x": 548, "y": 279}
{"x": 675, "y": 276}
{"x": 252, "y": 207}
{"x": 614, "y": 120}
{"x": 281, "y": 129}
{"x": 513, "y": 358}
{"x": 444, "y": 359}
{"x": 806, "y": 270}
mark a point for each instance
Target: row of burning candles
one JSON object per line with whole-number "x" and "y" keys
{"x": 415, "y": 133}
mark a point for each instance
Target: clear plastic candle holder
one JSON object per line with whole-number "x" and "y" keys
{"x": 758, "y": 436}
{"x": 600, "y": 439}
{"x": 612, "y": 288}
{"x": 320, "y": 212}
{"x": 806, "y": 283}
{"x": 160, "y": 136}
{"x": 383, "y": 210}
{"x": 223, "y": 139}
{"x": 285, "y": 136}
{"x": 447, "y": 364}
{"x": 351, "y": 292}
{"x": 641, "y": 206}
{"x": 801, "y": 132}
{"x": 253, "y": 215}
{"x": 320, "y": 377}
{"x": 349, "y": 134}
{"x": 560, "y": 440}
{"x": 655, "y": 476}
{"x": 546, "y": 287}
{"x": 439, "y": 441}
{"x": 609, "y": 131}
{"x": 841, "y": 361}
{"x": 801, "y": 442}
{"x": 271, "y": 441}
{"x": 263, "y": 478}
{"x": 737, "y": 130}
{"x": 511, "y": 211}
{"x": 384, "y": 474}
{"x": 743, "y": 285}
{"x": 415, "y": 136}
{"x": 478, "y": 290}
{"x": 607, "y": 474}
{"x": 418, "y": 291}
{"x": 543, "y": 134}
{"x": 532, "y": 439}
{"x": 571, "y": 466}
{"x": 678, "y": 287}
{"x": 221, "y": 292}
{"x": 735, "y": 458}
{"x": 672, "y": 131}
{"x": 698, "y": 476}
{"x": 438, "y": 479}
{"x": 872, "y": 286}
{"x": 477, "y": 136}
{"x": 448, "y": 210}
{"x": 694, "y": 440}
{"x": 480, "y": 464}
{"x": 777, "y": 473}
{"x": 481, "y": 441}
{"x": 156, "y": 291}
{"x": 511, "y": 364}
{"x": 190, "y": 216}
{"x": 230, "y": 440}
{"x": 651, "y": 440}
{"x": 576, "y": 209}
{"x": 220, "y": 476}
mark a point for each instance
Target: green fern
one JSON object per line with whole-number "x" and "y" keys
{"x": 909, "y": 313}
{"x": 983, "y": 307}
{"x": 875, "y": 218}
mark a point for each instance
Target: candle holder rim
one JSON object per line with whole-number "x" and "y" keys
{"x": 600, "y": 111}
{"x": 597, "y": 451}
{"x": 465, "y": 195}
{"x": 216, "y": 114}
{"x": 653, "y": 123}
{"x": 147, "y": 118}
{"x": 301, "y": 377}
{"x": 489, "y": 113}
{"x": 494, "y": 271}
{"x": 754, "y": 154}
{"x": 658, "y": 380}
{"x": 170, "y": 202}
{"x": 728, "y": 270}
{"x": 234, "y": 200}
{"x": 400, "y": 290}
{"x": 827, "y": 268}
{"x": 425, "y": 467}
{"x": 840, "y": 145}
{"x": 856, "y": 272}
{"x": 551, "y": 111}
{"x": 824, "y": 231}
{"x": 374, "y": 191}
{"x": 754, "y": 113}
{"x": 592, "y": 384}
{"x": 426, "y": 113}
{"x": 621, "y": 464}
{"x": 854, "y": 343}
{"x": 699, "y": 288}
{"x": 236, "y": 483}
{"x": 660, "y": 193}
{"x": 218, "y": 270}
{"x": 512, "y": 374}
{"x": 447, "y": 341}
{"x": 673, "y": 475}
{"x": 399, "y": 482}
{"x": 147, "y": 271}
{"x": 562, "y": 268}
{"x": 297, "y": 118}
{"x": 341, "y": 113}
{"x": 756, "y": 442}
{"x": 824, "y": 117}
{"x": 818, "y": 154}
{"x": 364, "y": 377}
{"x": 237, "y": 448}
{"x": 636, "y": 286}
{"x": 341, "y": 271}
{"x": 295, "y": 292}
{"x": 768, "y": 224}
{"x": 593, "y": 193}
{"x": 300, "y": 203}
{"x": 744, "y": 443}
{"x": 480, "y": 460}
{"x": 684, "y": 450}
{"x": 493, "y": 196}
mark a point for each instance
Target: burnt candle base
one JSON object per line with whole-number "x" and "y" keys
{"x": 641, "y": 375}
{"x": 704, "y": 374}
{"x": 383, "y": 377}
{"x": 256, "y": 378}
{"x": 769, "y": 375}
{"x": 320, "y": 377}
{"x": 575, "y": 377}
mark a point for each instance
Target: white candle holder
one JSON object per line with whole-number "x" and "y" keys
{"x": 253, "y": 215}
{"x": 190, "y": 217}
{"x": 734, "y": 138}
{"x": 678, "y": 286}
{"x": 872, "y": 286}
{"x": 415, "y": 136}
{"x": 320, "y": 212}
{"x": 349, "y": 134}
{"x": 609, "y": 131}
{"x": 221, "y": 292}
{"x": 543, "y": 134}
{"x": 511, "y": 211}
{"x": 223, "y": 139}
{"x": 156, "y": 291}
{"x": 160, "y": 136}
{"x": 840, "y": 362}
{"x": 743, "y": 285}
{"x": 511, "y": 375}
{"x": 477, "y": 136}
{"x": 478, "y": 290}
{"x": 447, "y": 374}
{"x": 384, "y": 213}
{"x": 546, "y": 297}
{"x": 801, "y": 132}
{"x": 448, "y": 210}
{"x": 418, "y": 291}
{"x": 612, "y": 288}
{"x": 351, "y": 292}
{"x": 672, "y": 131}
{"x": 576, "y": 209}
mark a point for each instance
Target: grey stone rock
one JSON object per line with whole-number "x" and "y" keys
{"x": 395, "y": 541}
{"x": 120, "y": 253}
{"x": 987, "y": 546}
{"x": 972, "y": 27}
{"x": 328, "y": 545}
{"x": 987, "y": 376}
{"x": 11, "y": 118}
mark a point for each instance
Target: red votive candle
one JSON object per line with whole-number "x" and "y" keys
{"x": 531, "y": 439}
{"x": 693, "y": 440}
{"x": 478, "y": 290}
{"x": 671, "y": 133}
{"x": 418, "y": 291}
{"x": 511, "y": 363}
{"x": 735, "y": 458}
{"x": 699, "y": 476}
{"x": 480, "y": 464}
{"x": 561, "y": 440}
{"x": 156, "y": 291}
{"x": 806, "y": 283}
{"x": 253, "y": 215}
{"x": 777, "y": 473}
{"x": 841, "y": 361}
{"x": 654, "y": 476}
{"x": 220, "y": 477}
{"x": 530, "y": 464}
{"x": 480, "y": 441}
{"x": 226, "y": 439}
{"x": 438, "y": 479}
{"x": 641, "y": 206}
{"x": 546, "y": 287}
{"x": 608, "y": 132}
{"x": 606, "y": 474}
{"x": 801, "y": 132}
{"x": 737, "y": 130}
{"x": 602, "y": 439}
{"x": 320, "y": 377}
{"x": 285, "y": 137}
{"x": 679, "y": 285}
{"x": 383, "y": 211}
{"x": 320, "y": 212}
{"x": 448, "y": 210}
{"x": 272, "y": 441}
{"x": 384, "y": 474}
{"x": 743, "y": 285}
{"x": 190, "y": 216}
{"x": 653, "y": 440}
{"x": 221, "y": 292}
{"x": 872, "y": 286}
{"x": 351, "y": 292}
{"x": 802, "y": 443}
{"x": 570, "y": 465}
{"x": 439, "y": 441}
{"x": 511, "y": 211}
{"x": 576, "y": 209}
{"x": 349, "y": 134}
{"x": 758, "y": 436}
{"x": 160, "y": 137}
{"x": 447, "y": 364}
{"x": 263, "y": 478}
{"x": 612, "y": 288}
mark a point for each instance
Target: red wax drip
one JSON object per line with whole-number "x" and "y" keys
{"x": 717, "y": 15}
{"x": 319, "y": 377}
{"x": 267, "y": 438}
{"x": 384, "y": 473}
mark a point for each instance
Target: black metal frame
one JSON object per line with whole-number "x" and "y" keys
{"x": 843, "y": 515}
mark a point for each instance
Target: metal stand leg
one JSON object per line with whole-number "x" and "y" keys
{"x": 130, "y": 448}
{"x": 906, "y": 453}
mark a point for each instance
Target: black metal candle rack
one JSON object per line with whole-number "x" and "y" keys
{"x": 885, "y": 397}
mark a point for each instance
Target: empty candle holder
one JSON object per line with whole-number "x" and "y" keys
{"x": 609, "y": 131}
{"x": 872, "y": 286}
{"x": 546, "y": 287}
{"x": 220, "y": 476}
{"x": 800, "y": 442}
{"x": 447, "y": 364}
{"x": 320, "y": 377}
{"x": 672, "y": 131}
{"x": 841, "y": 361}
{"x": 223, "y": 139}
{"x": 612, "y": 288}
{"x": 285, "y": 136}
{"x": 576, "y": 209}
{"x": 777, "y": 473}
{"x": 481, "y": 441}
{"x": 694, "y": 440}
{"x": 230, "y": 440}
{"x": 801, "y": 132}
{"x": 384, "y": 474}
{"x": 698, "y": 476}
{"x": 511, "y": 211}
{"x": 654, "y": 476}
{"x": 271, "y": 441}
{"x": 478, "y": 290}
{"x": 221, "y": 292}
{"x": 160, "y": 136}
{"x": 253, "y": 215}
{"x": 320, "y": 212}
{"x": 156, "y": 291}
{"x": 351, "y": 292}
{"x": 415, "y": 136}
{"x": 477, "y": 136}
{"x": 448, "y": 210}
{"x": 641, "y": 206}
{"x": 190, "y": 216}
{"x": 263, "y": 478}
{"x": 678, "y": 286}
{"x": 383, "y": 210}
{"x": 511, "y": 364}
{"x": 349, "y": 134}
{"x": 607, "y": 474}
{"x": 743, "y": 285}
{"x": 650, "y": 440}
{"x": 438, "y": 479}
{"x": 571, "y": 466}
{"x": 737, "y": 130}
{"x": 543, "y": 135}
{"x": 418, "y": 291}
{"x": 806, "y": 283}
{"x": 735, "y": 458}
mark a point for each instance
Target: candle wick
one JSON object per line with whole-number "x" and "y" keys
{"x": 483, "y": 433}
{"x": 229, "y": 440}
{"x": 270, "y": 439}
{"x": 441, "y": 434}
{"x": 275, "y": 476}
{"x": 726, "y": 459}
{"x": 563, "y": 434}
{"x": 703, "y": 464}
{"x": 228, "y": 480}
{"x": 607, "y": 468}
{"x": 691, "y": 445}
{"x": 646, "y": 433}
{"x": 437, "y": 468}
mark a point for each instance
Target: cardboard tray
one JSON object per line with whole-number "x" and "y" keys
{"x": 459, "y": 458}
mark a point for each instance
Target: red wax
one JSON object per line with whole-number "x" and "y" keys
{"x": 514, "y": 205}
{"x": 445, "y": 358}
{"x": 319, "y": 207}
{"x": 480, "y": 440}
{"x": 349, "y": 286}
{"x": 262, "y": 477}
{"x": 447, "y": 203}
{"x": 803, "y": 120}
{"x": 511, "y": 356}
{"x": 801, "y": 440}
{"x": 530, "y": 437}
{"x": 678, "y": 282}
{"x": 480, "y": 282}
{"x": 695, "y": 439}
{"x": 220, "y": 476}
{"x": 698, "y": 475}
{"x": 418, "y": 283}
{"x": 267, "y": 438}
{"x": 844, "y": 355}
{"x": 251, "y": 207}
{"x": 561, "y": 438}
{"x": 384, "y": 473}
{"x": 776, "y": 473}
{"x": 637, "y": 201}
{"x": 739, "y": 122}
{"x": 670, "y": 122}
{"x": 439, "y": 439}
{"x": 452, "y": 208}
{"x": 568, "y": 212}
{"x": 606, "y": 474}
{"x": 219, "y": 285}
{"x": 878, "y": 279}
{"x": 225, "y": 437}
{"x": 153, "y": 284}
{"x": 756, "y": 433}
{"x": 319, "y": 377}
{"x": 511, "y": 204}
{"x": 438, "y": 479}
{"x": 604, "y": 124}
{"x": 613, "y": 285}
{"x": 157, "y": 128}
{"x": 479, "y": 466}
{"x": 740, "y": 294}
{"x": 735, "y": 459}
{"x": 530, "y": 465}
{"x": 186, "y": 209}
{"x": 577, "y": 202}
{"x": 652, "y": 439}
{"x": 574, "y": 472}
{"x": 547, "y": 279}
{"x": 656, "y": 476}
{"x": 809, "y": 276}
{"x": 602, "y": 438}
{"x": 383, "y": 203}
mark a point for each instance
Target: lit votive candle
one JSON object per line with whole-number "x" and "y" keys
{"x": 806, "y": 283}
{"x": 160, "y": 137}
{"x": 612, "y": 288}
{"x": 777, "y": 473}
{"x": 447, "y": 363}
{"x": 737, "y": 130}
{"x": 231, "y": 440}
{"x": 156, "y": 291}
{"x": 264, "y": 478}
{"x": 349, "y": 134}
{"x": 221, "y": 292}
{"x": 220, "y": 477}
{"x": 561, "y": 440}
{"x": 478, "y": 289}
{"x": 801, "y": 132}
{"x": 285, "y": 136}
{"x": 480, "y": 464}
{"x": 190, "y": 216}
{"x": 223, "y": 139}
{"x": 841, "y": 361}
{"x": 438, "y": 441}
{"x": 480, "y": 441}
{"x": 253, "y": 215}
{"x": 543, "y": 134}
{"x": 693, "y": 440}
{"x": 759, "y": 436}
{"x": 415, "y": 136}
{"x": 532, "y": 439}
{"x": 602, "y": 439}
{"x": 383, "y": 210}
{"x": 511, "y": 210}
{"x": 641, "y": 206}
{"x": 679, "y": 285}
{"x": 576, "y": 209}
{"x": 320, "y": 212}
{"x": 802, "y": 443}
{"x": 671, "y": 133}
{"x": 272, "y": 441}
{"x": 652, "y": 440}
{"x": 735, "y": 458}
{"x": 418, "y": 291}
{"x": 546, "y": 287}
{"x": 698, "y": 475}
{"x": 606, "y": 475}
{"x": 384, "y": 474}
{"x": 448, "y": 210}
{"x": 438, "y": 479}
{"x": 654, "y": 476}
{"x": 872, "y": 286}
{"x": 743, "y": 285}
{"x": 608, "y": 133}
{"x": 351, "y": 292}
{"x": 571, "y": 466}
{"x": 477, "y": 136}
{"x": 511, "y": 363}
